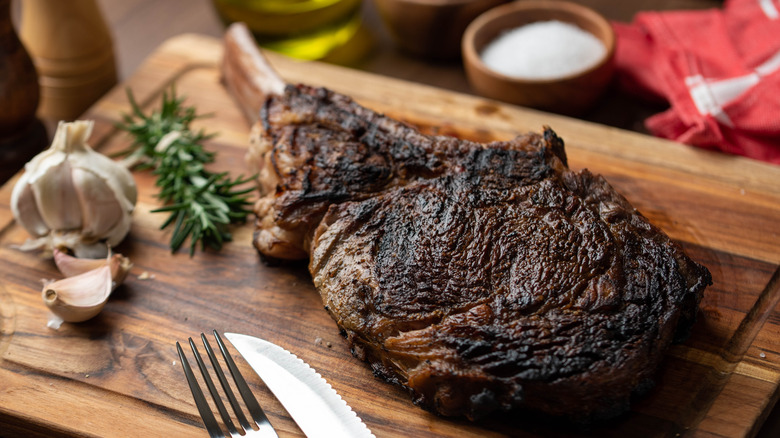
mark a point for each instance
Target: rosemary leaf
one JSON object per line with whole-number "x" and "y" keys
{"x": 201, "y": 204}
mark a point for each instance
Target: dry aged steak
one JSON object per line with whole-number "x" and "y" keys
{"x": 480, "y": 277}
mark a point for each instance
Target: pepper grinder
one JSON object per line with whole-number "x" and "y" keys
{"x": 72, "y": 48}
{"x": 22, "y": 135}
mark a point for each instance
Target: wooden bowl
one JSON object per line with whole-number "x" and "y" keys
{"x": 431, "y": 29}
{"x": 571, "y": 94}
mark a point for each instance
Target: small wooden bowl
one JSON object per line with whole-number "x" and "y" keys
{"x": 431, "y": 29}
{"x": 572, "y": 94}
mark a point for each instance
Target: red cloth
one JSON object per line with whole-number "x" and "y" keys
{"x": 719, "y": 69}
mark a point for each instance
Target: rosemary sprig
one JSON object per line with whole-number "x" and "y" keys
{"x": 201, "y": 204}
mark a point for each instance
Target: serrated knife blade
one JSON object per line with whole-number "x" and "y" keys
{"x": 314, "y": 405}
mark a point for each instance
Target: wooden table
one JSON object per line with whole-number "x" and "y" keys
{"x": 140, "y": 26}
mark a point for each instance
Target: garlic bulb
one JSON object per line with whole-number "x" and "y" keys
{"x": 74, "y": 197}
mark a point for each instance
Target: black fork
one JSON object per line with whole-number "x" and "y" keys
{"x": 262, "y": 427}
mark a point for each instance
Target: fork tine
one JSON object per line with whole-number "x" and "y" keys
{"x": 251, "y": 402}
{"x": 264, "y": 427}
{"x": 213, "y": 390}
{"x": 225, "y": 386}
{"x": 200, "y": 401}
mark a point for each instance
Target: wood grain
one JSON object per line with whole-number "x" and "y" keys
{"x": 119, "y": 375}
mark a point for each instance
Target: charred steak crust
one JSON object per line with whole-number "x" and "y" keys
{"x": 318, "y": 148}
{"x": 480, "y": 277}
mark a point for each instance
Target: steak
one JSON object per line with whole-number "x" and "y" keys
{"x": 479, "y": 277}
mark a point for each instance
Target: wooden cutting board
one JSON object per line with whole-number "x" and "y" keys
{"x": 119, "y": 374}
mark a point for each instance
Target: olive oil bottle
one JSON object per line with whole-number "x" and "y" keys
{"x": 305, "y": 29}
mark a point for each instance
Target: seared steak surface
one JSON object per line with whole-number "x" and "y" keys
{"x": 480, "y": 277}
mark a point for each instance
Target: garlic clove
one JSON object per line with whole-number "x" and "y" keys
{"x": 100, "y": 208}
{"x": 81, "y": 297}
{"x": 56, "y": 200}
{"x": 124, "y": 190}
{"x": 24, "y": 209}
{"x": 70, "y": 266}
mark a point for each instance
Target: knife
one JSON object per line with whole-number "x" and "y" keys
{"x": 314, "y": 405}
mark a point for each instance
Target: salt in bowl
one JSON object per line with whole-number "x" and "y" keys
{"x": 570, "y": 93}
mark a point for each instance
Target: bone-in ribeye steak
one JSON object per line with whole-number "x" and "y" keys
{"x": 480, "y": 277}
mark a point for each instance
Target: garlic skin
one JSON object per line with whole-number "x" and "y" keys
{"x": 74, "y": 197}
{"x": 88, "y": 284}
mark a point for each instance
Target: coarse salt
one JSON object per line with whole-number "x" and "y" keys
{"x": 543, "y": 50}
